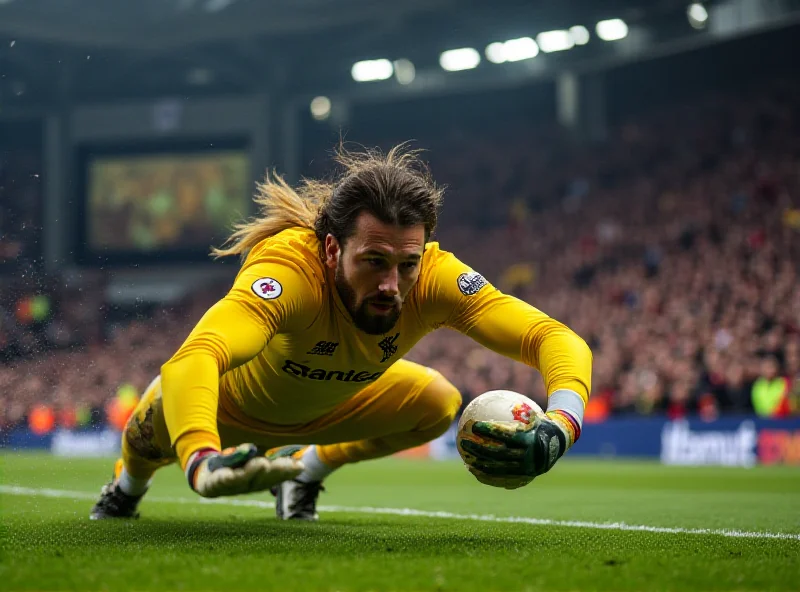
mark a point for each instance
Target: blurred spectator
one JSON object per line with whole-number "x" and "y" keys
{"x": 771, "y": 390}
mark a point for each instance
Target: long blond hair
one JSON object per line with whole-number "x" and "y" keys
{"x": 396, "y": 187}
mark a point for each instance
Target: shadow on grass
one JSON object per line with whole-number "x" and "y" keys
{"x": 346, "y": 537}
{"x": 258, "y": 536}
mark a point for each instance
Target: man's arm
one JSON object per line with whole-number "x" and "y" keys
{"x": 459, "y": 298}
{"x": 519, "y": 331}
{"x": 227, "y": 336}
{"x": 267, "y": 297}
{"x": 455, "y": 296}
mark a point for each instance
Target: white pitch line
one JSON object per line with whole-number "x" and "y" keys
{"x": 80, "y": 495}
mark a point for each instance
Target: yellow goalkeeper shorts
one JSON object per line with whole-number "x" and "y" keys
{"x": 407, "y": 406}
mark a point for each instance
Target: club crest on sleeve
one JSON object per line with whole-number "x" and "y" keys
{"x": 267, "y": 288}
{"x": 471, "y": 283}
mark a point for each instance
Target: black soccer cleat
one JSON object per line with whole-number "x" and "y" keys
{"x": 296, "y": 500}
{"x": 114, "y": 503}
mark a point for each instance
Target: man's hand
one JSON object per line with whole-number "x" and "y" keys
{"x": 516, "y": 450}
{"x": 237, "y": 470}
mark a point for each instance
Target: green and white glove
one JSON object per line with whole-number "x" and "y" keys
{"x": 515, "y": 450}
{"x": 237, "y": 470}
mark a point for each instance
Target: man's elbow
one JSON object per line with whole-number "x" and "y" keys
{"x": 560, "y": 331}
{"x": 581, "y": 354}
{"x": 581, "y": 346}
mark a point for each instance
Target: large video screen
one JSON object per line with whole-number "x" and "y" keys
{"x": 163, "y": 204}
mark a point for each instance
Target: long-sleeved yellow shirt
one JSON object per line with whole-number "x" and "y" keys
{"x": 281, "y": 348}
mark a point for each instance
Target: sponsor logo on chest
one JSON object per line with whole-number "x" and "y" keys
{"x": 303, "y": 371}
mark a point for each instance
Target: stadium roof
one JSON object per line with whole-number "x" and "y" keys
{"x": 108, "y": 49}
{"x": 152, "y": 25}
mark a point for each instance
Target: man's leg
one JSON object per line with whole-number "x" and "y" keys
{"x": 407, "y": 407}
{"x": 145, "y": 449}
{"x": 145, "y": 441}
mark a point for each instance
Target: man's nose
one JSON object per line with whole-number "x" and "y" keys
{"x": 388, "y": 284}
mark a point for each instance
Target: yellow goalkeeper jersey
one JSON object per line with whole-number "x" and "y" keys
{"x": 281, "y": 348}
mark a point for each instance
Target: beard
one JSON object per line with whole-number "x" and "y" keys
{"x": 369, "y": 323}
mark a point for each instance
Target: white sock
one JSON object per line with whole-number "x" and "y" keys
{"x": 315, "y": 470}
{"x": 132, "y": 485}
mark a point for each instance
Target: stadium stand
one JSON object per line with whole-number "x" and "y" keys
{"x": 671, "y": 249}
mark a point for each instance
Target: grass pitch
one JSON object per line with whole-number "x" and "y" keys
{"x": 411, "y": 525}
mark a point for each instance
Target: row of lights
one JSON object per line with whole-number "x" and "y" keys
{"x": 370, "y": 70}
{"x": 513, "y": 50}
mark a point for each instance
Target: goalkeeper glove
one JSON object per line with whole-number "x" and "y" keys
{"x": 513, "y": 449}
{"x": 237, "y": 470}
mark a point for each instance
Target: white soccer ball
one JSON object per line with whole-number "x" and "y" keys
{"x": 499, "y": 405}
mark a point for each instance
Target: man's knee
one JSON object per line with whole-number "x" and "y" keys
{"x": 145, "y": 434}
{"x": 439, "y": 403}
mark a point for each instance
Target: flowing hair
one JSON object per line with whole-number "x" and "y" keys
{"x": 397, "y": 188}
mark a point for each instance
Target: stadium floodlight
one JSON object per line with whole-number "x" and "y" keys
{"x": 520, "y": 49}
{"x": 513, "y": 50}
{"x": 464, "y": 58}
{"x": 612, "y": 30}
{"x": 697, "y": 15}
{"x": 580, "y": 34}
{"x": 496, "y": 52}
{"x": 369, "y": 70}
{"x": 558, "y": 40}
{"x": 320, "y": 108}
{"x": 404, "y": 71}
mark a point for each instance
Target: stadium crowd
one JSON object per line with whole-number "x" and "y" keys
{"x": 672, "y": 248}
{"x": 673, "y": 251}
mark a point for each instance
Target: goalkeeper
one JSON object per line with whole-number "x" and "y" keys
{"x": 298, "y": 370}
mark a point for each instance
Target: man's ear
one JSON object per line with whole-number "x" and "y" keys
{"x": 333, "y": 251}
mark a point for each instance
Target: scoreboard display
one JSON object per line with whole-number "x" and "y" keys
{"x": 162, "y": 204}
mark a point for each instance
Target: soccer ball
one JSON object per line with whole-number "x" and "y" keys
{"x": 497, "y": 405}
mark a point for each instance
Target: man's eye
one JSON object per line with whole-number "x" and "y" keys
{"x": 408, "y": 266}
{"x": 374, "y": 262}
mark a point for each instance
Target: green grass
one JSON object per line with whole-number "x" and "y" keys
{"x": 181, "y": 543}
